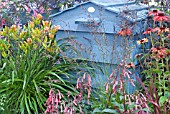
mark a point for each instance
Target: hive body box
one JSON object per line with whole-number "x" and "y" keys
{"x": 94, "y": 26}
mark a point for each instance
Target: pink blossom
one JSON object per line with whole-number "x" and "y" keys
{"x": 35, "y": 13}
{"x": 114, "y": 85}
{"x": 79, "y": 84}
{"x": 89, "y": 80}
{"x": 111, "y": 75}
{"x": 3, "y": 22}
{"x": 89, "y": 92}
{"x": 75, "y": 100}
{"x": 41, "y": 10}
{"x": 107, "y": 88}
{"x": 28, "y": 10}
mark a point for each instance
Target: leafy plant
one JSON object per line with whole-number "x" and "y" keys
{"x": 155, "y": 64}
{"x": 32, "y": 63}
{"x": 114, "y": 99}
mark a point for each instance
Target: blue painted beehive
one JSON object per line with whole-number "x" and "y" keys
{"x": 94, "y": 26}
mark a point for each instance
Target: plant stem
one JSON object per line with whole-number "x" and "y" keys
{"x": 152, "y": 42}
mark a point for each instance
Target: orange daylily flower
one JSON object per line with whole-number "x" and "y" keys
{"x": 51, "y": 36}
{"x": 46, "y": 29}
{"x": 29, "y": 41}
{"x": 125, "y": 32}
{"x": 31, "y": 23}
{"x": 57, "y": 27}
{"x": 39, "y": 16}
{"x": 14, "y": 27}
{"x": 45, "y": 23}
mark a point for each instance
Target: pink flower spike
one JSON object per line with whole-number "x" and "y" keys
{"x": 84, "y": 77}
{"x": 65, "y": 109}
{"x": 35, "y": 13}
{"x": 107, "y": 88}
{"x": 114, "y": 85}
{"x": 59, "y": 94}
{"x": 28, "y": 10}
{"x": 111, "y": 75}
{"x": 68, "y": 94}
{"x": 41, "y": 10}
{"x": 89, "y": 80}
{"x": 89, "y": 92}
{"x": 51, "y": 92}
{"x": 75, "y": 100}
{"x": 3, "y": 22}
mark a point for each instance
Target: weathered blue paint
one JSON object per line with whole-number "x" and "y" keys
{"x": 100, "y": 44}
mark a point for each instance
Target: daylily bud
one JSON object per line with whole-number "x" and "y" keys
{"x": 45, "y": 23}
{"x": 51, "y": 36}
{"x": 29, "y": 41}
{"x": 39, "y": 16}
{"x": 14, "y": 27}
{"x": 31, "y": 24}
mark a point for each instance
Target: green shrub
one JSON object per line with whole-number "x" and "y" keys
{"x": 31, "y": 63}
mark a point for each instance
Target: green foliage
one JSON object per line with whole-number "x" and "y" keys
{"x": 31, "y": 65}
{"x": 155, "y": 66}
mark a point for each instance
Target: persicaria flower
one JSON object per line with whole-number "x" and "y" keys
{"x": 3, "y": 22}
{"x": 144, "y": 40}
{"x": 125, "y": 32}
{"x": 107, "y": 88}
{"x": 160, "y": 17}
{"x": 115, "y": 83}
{"x": 28, "y": 10}
{"x": 148, "y": 31}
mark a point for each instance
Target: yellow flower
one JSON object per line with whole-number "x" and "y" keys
{"x": 31, "y": 24}
{"x": 46, "y": 29}
{"x": 21, "y": 34}
{"x": 39, "y": 16}
{"x": 4, "y": 54}
{"x": 57, "y": 27}
{"x": 51, "y": 36}
{"x": 13, "y": 27}
{"x": 46, "y": 23}
{"x": 144, "y": 40}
